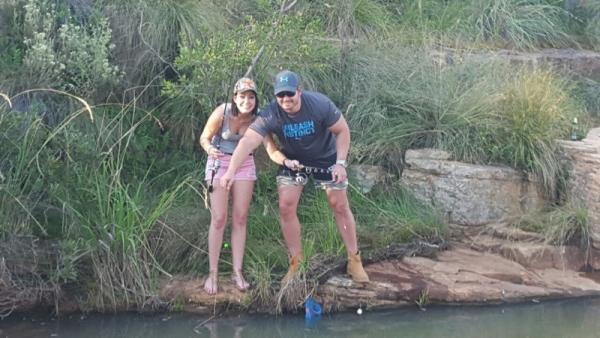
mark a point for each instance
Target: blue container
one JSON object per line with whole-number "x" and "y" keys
{"x": 312, "y": 311}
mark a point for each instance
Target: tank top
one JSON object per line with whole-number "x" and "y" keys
{"x": 229, "y": 139}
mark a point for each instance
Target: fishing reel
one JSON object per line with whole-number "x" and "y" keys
{"x": 214, "y": 167}
{"x": 301, "y": 178}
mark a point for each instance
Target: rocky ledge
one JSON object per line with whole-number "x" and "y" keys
{"x": 464, "y": 274}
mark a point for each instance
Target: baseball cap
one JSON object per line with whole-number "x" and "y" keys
{"x": 286, "y": 81}
{"x": 244, "y": 84}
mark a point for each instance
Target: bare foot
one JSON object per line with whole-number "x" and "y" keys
{"x": 211, "y": 283}
{"x": 238, "y": 279}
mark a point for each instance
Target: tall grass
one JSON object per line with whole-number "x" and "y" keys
{"x": 481, "y": 110}
{"x": 408, "y": 98}
{"x": 522, "y": 24}
{"x": 393, "y": 215}
{"x": 352, "y": 19}
{"x": 75, "y": 184}
{"x": 533, "y": 112}
{"x": 147, "y": 36}
{"x": 567, "y": 224}
{"x": 592, "y": 24}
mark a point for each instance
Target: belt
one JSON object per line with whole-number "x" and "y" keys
{"x": 230, "y": 154}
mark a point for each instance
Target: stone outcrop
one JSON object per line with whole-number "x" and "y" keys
{"x": 580, "y": 62}
{"x": 457, "y": 276}
{"x": 583, "y": 159}
{"x": 469, "y": 194}
{"x": 367, "y": 176}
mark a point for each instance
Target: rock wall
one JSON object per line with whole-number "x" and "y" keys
{"x": 583, "y": 159}
{"x": 580, "y": 62}
{"x": 469, "y": 194}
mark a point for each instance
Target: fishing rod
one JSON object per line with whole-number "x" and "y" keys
{"x": 217, "y": 163}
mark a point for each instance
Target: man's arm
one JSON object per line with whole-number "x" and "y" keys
{"x": 274, "y": 153}
{"x": 277, "y": 156}
{"x": 342, "y": 144}
{"x": 342, "y": 138}
{"x": 247, "y": 144}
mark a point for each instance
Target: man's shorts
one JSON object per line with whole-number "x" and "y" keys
{"x": 322, "y": 178}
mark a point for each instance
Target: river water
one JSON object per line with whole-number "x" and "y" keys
{"x": 567, "y": 318}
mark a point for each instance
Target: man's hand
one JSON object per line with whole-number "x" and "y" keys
{"x": 338, "y": 173}
{"x": 227, "y": 180}
{"x": 292, "y": 164}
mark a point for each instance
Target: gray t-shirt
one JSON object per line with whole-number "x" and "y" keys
{"x": 304, "y": 136}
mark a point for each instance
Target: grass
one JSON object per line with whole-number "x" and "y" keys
{"x": 520, "y": 24}
{"x": 118, "y": 185}
{"x": 481, "y": 110}
{"x": 566, "y": 224}
{"x": 352, "y": 19}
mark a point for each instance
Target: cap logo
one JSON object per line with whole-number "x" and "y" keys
{"x": 283, "y": 79}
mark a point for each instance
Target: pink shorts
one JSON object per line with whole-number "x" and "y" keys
{"x": 247, "y": 172}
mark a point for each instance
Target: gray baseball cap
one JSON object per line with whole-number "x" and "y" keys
{"x": 286, "y": 81}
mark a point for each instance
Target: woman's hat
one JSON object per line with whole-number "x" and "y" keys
{"x": 243, "y": 85}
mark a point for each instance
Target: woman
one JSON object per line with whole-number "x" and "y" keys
{"x": 224, "y": 128}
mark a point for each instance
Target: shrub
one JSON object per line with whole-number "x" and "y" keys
{"x": 62, "y": 53}
{"x": 209, "y": 69}
{"x": 147, "y": 35}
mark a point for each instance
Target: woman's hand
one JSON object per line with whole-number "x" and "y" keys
{"x": 214, "y": 152}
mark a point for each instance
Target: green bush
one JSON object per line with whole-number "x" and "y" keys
{"x": 147, "y": 35}
{"x": 209, "y": 69}
{"x": 62, "y": 53}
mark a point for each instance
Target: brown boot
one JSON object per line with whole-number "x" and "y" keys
{"x": 293, "y": 269}
{"x": 355, "y": 269}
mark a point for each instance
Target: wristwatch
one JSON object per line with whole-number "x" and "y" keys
{"x": 343, "y": 163}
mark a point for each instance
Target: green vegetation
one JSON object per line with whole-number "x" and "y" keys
{"x": 560, "y": 225}
{"x": 101, "y": 106}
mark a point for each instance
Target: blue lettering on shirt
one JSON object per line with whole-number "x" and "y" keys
{"x": 299, "y": 130}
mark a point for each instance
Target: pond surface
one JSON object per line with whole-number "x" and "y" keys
{"x": 571, "y": 318}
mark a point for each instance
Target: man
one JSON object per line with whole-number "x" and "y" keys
{"x": 315, "y": 139}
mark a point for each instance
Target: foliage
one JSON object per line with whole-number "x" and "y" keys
{"x": 147, "y": 35}
{"x": 523, "y": 24}
{"x": 531, "y": 116}
{"x": 566, "y": 224}
{"x": 393, "y": 215}
{"x": 592, "y": 22}
{"x": 62, "y": 53}
{"x": 122, "y": 194}
{"x": 209, "y": 69}
{"x": 351, "y": 19}
{"x": 482, "y": 112}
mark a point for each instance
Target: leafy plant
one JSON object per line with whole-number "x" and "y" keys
{"x": 62, "y": 53}
{"x": 210, "y": 68}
